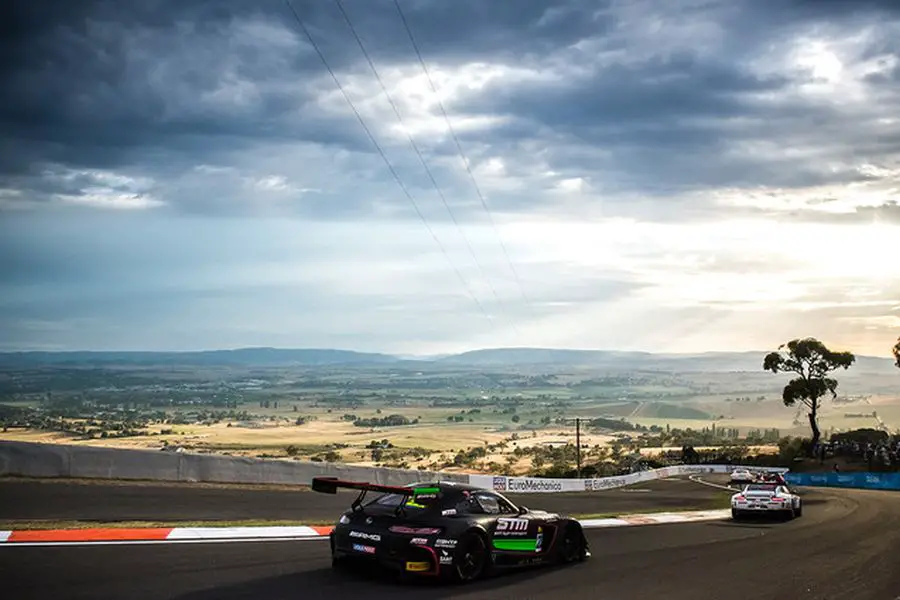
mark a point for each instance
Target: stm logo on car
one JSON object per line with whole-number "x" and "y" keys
{"x": 512, "y": 526}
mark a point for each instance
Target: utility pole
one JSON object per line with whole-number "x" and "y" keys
{"x": 578, "y": 447}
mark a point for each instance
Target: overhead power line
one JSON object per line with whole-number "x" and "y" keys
{"x": 462, "y": 154}
{"x": 387, "y": 162}
{"x": 419, "y": 154}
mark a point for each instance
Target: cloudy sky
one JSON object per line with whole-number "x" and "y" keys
{"x": 677, "y": 176}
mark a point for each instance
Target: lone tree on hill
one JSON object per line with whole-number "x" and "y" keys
{"x": 896, "y": 351}
{"x": 811, "y": 361}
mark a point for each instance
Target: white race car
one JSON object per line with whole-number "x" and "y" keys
{"x": 742, "y": 476}
{"x": 766, "y": 498}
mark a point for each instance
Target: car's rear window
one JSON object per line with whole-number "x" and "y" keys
{"x": 423, "y": 498}
{"x": 761, "y": 488}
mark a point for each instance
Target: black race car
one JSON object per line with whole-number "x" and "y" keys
{"x": 447, "y": 529}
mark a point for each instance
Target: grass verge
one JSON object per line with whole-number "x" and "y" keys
{"x": 717, "y": 504}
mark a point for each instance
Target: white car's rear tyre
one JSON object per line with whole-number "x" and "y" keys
{"x": 736, "y": 514}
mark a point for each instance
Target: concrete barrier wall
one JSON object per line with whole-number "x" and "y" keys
{"x": 56, "y": 460}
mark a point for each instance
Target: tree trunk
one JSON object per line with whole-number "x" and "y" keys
{"x": 816, "y": 434}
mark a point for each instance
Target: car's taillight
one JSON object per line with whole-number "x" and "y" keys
{"x": 778, "y": 500}
{"x": 739, "y": 498}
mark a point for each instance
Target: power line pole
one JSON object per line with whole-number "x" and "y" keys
{"x": 578, "y": 448}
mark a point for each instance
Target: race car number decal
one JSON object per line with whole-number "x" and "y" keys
{"x": 512, "y": 526}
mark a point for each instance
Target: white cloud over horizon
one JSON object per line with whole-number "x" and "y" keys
{"x": 706, "y": 176}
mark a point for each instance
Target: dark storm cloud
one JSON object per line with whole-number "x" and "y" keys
{"x": 157, "y": 87}
{"x": 665, "y": 125}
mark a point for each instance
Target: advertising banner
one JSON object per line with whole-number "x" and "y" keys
{"x": 866, "y": 481}
{"x": 543, "y": 485}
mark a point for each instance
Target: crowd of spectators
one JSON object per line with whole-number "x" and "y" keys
{"x": 876, "y": 452}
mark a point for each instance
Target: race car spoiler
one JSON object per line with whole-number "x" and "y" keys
{"x": 330, "y": 485}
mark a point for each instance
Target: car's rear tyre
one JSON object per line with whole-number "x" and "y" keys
{"x": 337, "y": 561}
{"x": 736, "y": 514}
{"x": 798, "y": 512}
{"x": 573, "y": 546}
{"x": 472, "y": 558}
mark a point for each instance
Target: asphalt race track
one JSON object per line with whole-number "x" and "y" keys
{"x": 122, "y": 501}
{"x": 846, "y": 546}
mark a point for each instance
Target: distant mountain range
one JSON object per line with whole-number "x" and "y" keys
{"x": 491, "y": 358}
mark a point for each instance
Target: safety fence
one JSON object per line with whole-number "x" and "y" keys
{"x": 869, "y": 481}
{"x": 27, "y": 459}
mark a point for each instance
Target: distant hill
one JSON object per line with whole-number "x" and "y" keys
{"x": 709, "y": 362}
{"x": 496, "y": 357}
{"x": 489, "y": 358}
{"x": 248, "y": 357}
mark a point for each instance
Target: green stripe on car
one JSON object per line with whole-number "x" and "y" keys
{"x": 528, "y": 545}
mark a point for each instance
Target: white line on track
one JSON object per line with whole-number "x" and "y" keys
{"x": 696, "y": 479}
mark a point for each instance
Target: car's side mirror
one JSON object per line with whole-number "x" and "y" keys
{"x": 523, "y": 510}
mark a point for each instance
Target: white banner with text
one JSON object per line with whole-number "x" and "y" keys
{"x": 543, "y": 485}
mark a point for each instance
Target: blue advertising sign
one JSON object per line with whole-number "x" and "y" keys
{"x": 868, "y": 481}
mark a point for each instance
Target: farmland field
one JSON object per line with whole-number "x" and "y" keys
{"x": 413, "y": 414}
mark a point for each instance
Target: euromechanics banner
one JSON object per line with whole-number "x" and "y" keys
{"x": 524, "y": 485}
{"x": 544, "y": 485}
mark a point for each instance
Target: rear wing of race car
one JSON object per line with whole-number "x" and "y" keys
{"x": 330, "y": 485}
{"x": 410, "y": 495}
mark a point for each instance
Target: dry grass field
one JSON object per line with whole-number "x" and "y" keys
{"x": 451, "y": 412}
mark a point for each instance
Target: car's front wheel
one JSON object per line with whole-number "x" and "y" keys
{"x": 573, "y": 547}
{"x": 472, "y": 559}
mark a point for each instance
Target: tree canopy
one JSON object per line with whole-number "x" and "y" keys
{"x": 812, "y": 362}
